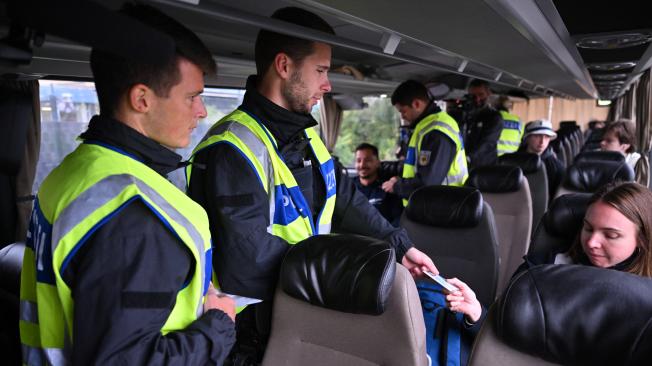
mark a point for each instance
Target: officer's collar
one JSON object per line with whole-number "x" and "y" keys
{"x": 431, "y": 109}
{"x": 282, "y": 123}
{"x": 113, "y": 133}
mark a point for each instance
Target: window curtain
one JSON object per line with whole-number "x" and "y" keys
{"x": 643, "y": 131}
{"x": 331, "y": 120}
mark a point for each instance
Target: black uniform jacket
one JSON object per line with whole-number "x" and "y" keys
{"x": 440, "y": 150}
{"x": 482, "y": 132}
{"x": 125, "y": 278}
{"x": 247, "y": 258}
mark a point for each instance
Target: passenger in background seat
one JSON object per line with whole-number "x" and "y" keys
{"x": 616, "y": 234}
{"x": 621, "y": 136}
{"x": 435, "y": 152}
{"x": 369, "y": 183}
{"x": 537, "y": 137}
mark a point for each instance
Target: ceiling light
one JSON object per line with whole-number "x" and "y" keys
{"x": 614, "y": 40}
{"x": 603, "y": 103}
{"x": 610, "y": 66}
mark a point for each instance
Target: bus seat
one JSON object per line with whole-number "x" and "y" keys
{"x": 569, "y": 315}
{"x": 343, "y": 300}
{"x": 588, "y": 176}
{"x": 568, "y": 150}
{"x": 559, "y": 226}
{"x": 600, "y": 155}
{"x": 558, "y": 148}
{"x": 455, "y": 227}
{"x": 507, "y": 192}
{"x": 537, "y": 179}
{"x": 11, "y": 262}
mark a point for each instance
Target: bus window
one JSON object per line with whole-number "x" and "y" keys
{"x": 67, "y": 106}
{"x": 377, "y": 124}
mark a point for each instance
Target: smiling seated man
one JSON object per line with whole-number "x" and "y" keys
{"x": 369, "y": 183}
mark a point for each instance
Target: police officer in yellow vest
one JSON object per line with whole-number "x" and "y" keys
{"x": 435, "y": 152}
{"x": 512, "y": 133}
{"x": 269, "y": 181}
{"x": 118, "y": 261}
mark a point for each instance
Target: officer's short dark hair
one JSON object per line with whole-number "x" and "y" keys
{"x": 269, "y": 44}
{"x": 479, "y": 83}
{"x": 115, "y": 75}
{"x": 368, "y": 146}
{"x": 408, "y": 91}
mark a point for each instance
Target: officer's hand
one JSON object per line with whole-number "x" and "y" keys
{"x": 389, "y": 185}
{"x": 416, "y": 262}
{"x": 216, "y": 300}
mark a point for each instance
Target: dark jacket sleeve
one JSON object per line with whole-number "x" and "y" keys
{"x": 485, "y": 152}
{"x": 354, "y": 214}
{"x": 124, "y": 281}
{"x": 442, "y": 153}
{"x": 246, "y": 258}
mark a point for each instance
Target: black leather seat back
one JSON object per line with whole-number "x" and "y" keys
{"x": 600, "y": 156}
{"x": 578, "y": 315}
{"x": 559, "y": 226}
{"x": 456, "y": 227}
{"x": 590, "y": 175}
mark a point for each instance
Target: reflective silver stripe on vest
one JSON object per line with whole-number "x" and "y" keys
{"x": 35, "y": 356}
{"x": 450, "y": 179}
{"x": 510, "y": 143}
{"x": 32, "y": 356}
{"x": 252, "y": 141}
{"x": 107, "y": 189}
{"x": 259, "y": 149}
{"x": 28, "y": 311}
{"x": 324, "y": 229}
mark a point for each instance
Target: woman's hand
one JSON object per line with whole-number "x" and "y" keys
{"x": 464, "y": 301}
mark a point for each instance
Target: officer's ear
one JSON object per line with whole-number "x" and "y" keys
{"x": 283, "y": 65}
{"x": 418, "y": 104}
{"x": 140, "y": 97}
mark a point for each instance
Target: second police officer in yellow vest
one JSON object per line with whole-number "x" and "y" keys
{"x": 268, "y": 181}
{"x": 512, "y": 133}
{"x": 435, "y": 153}
{"x": 117, "y": 264}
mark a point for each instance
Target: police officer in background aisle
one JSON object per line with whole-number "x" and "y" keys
{"x": 512, "y": 133}
{"x": 435, "y": 152}
{"x": 117, "y": 265}
{"x": 483, "y": 126}
{"x": 269, "y": 181}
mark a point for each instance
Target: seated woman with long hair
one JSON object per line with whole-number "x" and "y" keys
{"x": 616, "y": 233}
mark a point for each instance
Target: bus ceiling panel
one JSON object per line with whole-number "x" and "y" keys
{"x": 477, "y": 31}
{"x": 349, "y": 38}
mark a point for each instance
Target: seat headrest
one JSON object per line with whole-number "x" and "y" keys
{"x": 445, "y": 206}
{"x": 565, "y": 215}
{"x": 600, "y": 155}
{"x": 588, "y": 176}
{"x": 11, "y": 263}
{"x": 347, "y": 273}
{"x": 528, "y": 162}
{"x": 495, "y": 178}
{"x": 578, "y": 315}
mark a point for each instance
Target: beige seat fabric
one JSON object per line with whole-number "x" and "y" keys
{"x": 513, "y": 216}
{"x": 303, "y": 334}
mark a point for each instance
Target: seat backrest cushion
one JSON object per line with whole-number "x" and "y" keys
{"x": 574, "y": 314}
{"x": 305, "y": 334}
{"x": 344, "y": 272}
{"x": 559, "y": 226}
{"x": 468, "y": 253}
